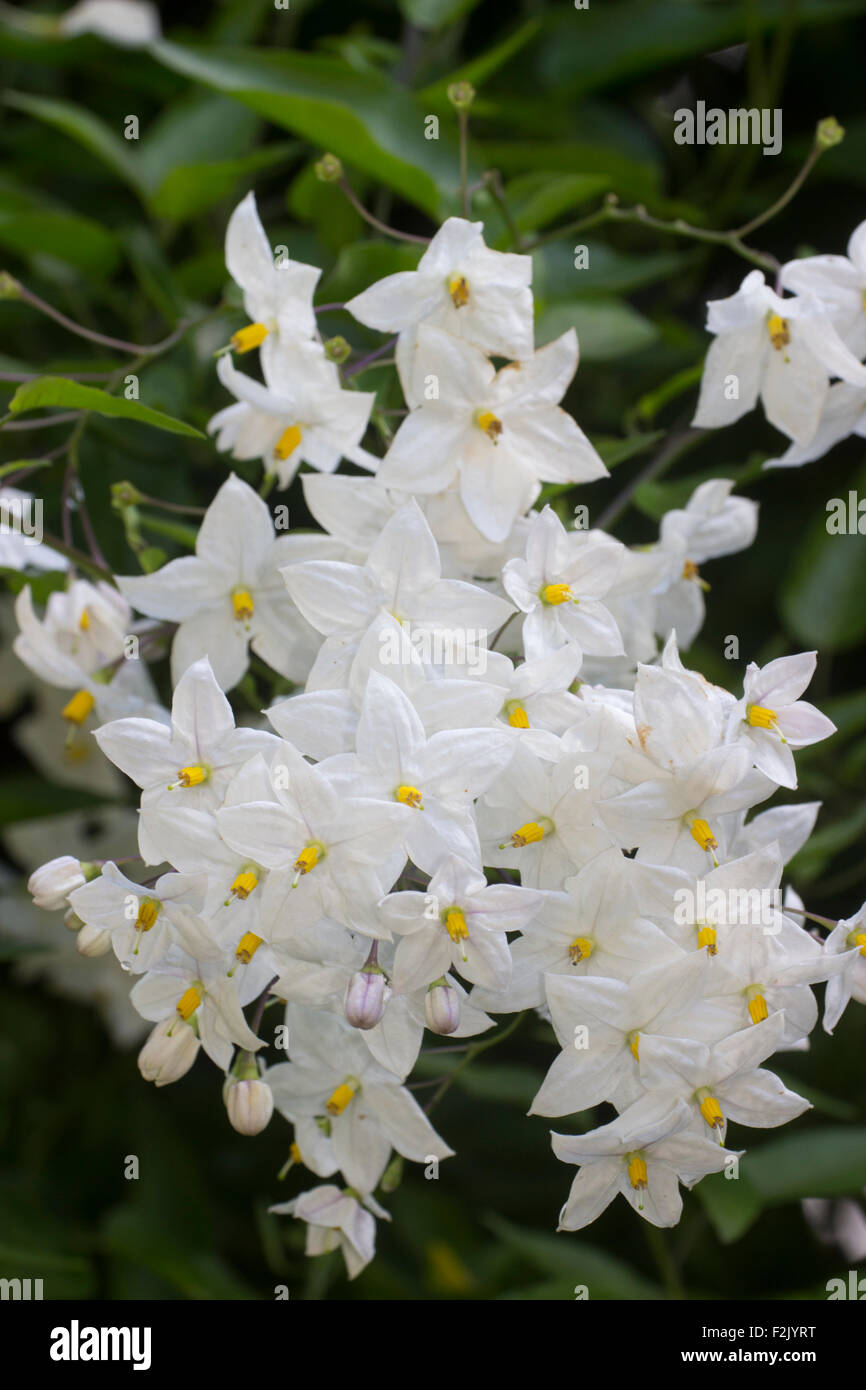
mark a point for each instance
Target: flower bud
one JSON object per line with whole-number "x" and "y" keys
{"x": 93, "y": 941}
{"x": 442, "y": 1007}
{"x": 367, "y": 995}
{"x": 52, "y": 883}
{"x": 461, "y": 95}
{"x": 9, "y": 286}
{"x": 328, "y": 169}
{"x": 250, "y": 1105}
{"x": 337, "y": 349}
{"x": 828, "y": 133}
{"x": 169, "y": 1052}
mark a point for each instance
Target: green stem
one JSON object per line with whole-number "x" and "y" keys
{"x": 474, "y": 1051}
{"x": 664, "y": 1262}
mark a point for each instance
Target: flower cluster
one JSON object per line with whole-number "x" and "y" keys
{"x": 494, "y": 786}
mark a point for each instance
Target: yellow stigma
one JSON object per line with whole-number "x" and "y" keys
{"x": 580, "y": 949}
{"x": 759, "y": 717}
{"x": 858, "y": 938}
{"x": 340, "y": 1098}
{"x": 248, "y": 338}
{"x": 192, "y": 776}
{"x": 637, "y": 1172}
{"x": 306, "y": 860}
{"x": 634, "y": 1045}
{"x": 247, "y": 947}
{"x": 148, "y": 911}
{"x": 288, "y": 441}
{"x": 84, "y": 620}
{"x": 188, "y": 1002}
{"x": 458, "y": 288}
{"x": 690, "y": 570}
{"x": 528, "y": 834}
{"x": 295, "y": 1153}
{"x": 518, "y": 718}
{"x": 556, "y": 594}
{"x": 712, "y": 1112}
{"x": 245, "y": 883}
{"x": 704, "y": 836}
{"x": 409, "y": 796}
{"x": 757, "y": 1004}
{"x": 777, "y": 327}
{"x": 243, "y": 605}
{"x": 490, "y": 424}
{"x": 78, "y": 708}
{"x": 455, "y": 924}
{"x": 707, "y": 937}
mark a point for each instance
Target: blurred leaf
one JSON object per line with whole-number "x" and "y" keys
{"x": 826, "y": 1162}
{"x": 85, "y": 129}
{"x": 435, "y": 14}
{"x": 539, "y": 198}
{"x": 656, "y": 498}
{"x": 24, "y": 797}
{"x": 8, "y": 468}
{"x": 731, "y": 1204}
{"x": 606, "y": 329}
{"x": 189, "y": 189}
{"x": 362, "y": 262}
{"x": 58, "y": 391}
{"x": 822, "y": 597}
{"x": 566, "y": 1253}
{"x": 77, "y": 241}
{"x": 131, "y": 1232}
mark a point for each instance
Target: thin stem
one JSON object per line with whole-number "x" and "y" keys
{"x": 119, "y": 344}
{"x": 670, "y": 451}
{"x": 78, "y": 558}
{"x": 365, "y": 361}
{"x": 87, "y": 526}
{"x": 493, "y": 182}
{"x": 813, "y": 917}
{"x": 260, "y": 1005}
{"x": 463, "y": 122}
{"x": 374, "y": 221}
{"x": 790, "y": 192}
{"x": 326, "y": 308}
{"x": 474, "y": 1051}
{"x": 46, "y": 422}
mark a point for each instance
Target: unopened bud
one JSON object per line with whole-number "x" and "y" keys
{"x": 51, "y": 884}
{"x": 125, "y": 494}
{"x": 367, "y": 995}
{"x": 93, "y": 941}
{"x": 337, "y": 349}
{"x": 169, "y": 1052}
{"x": 250, "y": 1105}
{"x": 828, "y": 133}
{"x": 9, "y": 286}
{"x": 328, "y": 169}
{"x": 71, "y": 920}
{"x": 461, "y": 95}
{"x": 442, "y": 1008}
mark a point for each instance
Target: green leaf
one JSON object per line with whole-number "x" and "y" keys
{"x": 58, "y": 391}
{"x": 826, "y": 1162}
{"x": 362, "y": 262}
{"x": 566, "y": 1254}
{"x": 362, "y": 117}
{"x": 25, "y": 797}
{"x": 539, "y": 198}
{"x": 77, "y": 241}
{"x": 86, "y": 129}
{"x": 8, "y": 468}
{"x": 616, "y": 451}
{"x": 732, "y": 1204}
{"x": 606, "y": 329}
{"x": 822, "y": 597}
{"x": 435, "y": 14}
{"x": 190, "y": 189}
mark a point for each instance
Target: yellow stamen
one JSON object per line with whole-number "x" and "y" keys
{"x": 192, "y": 776}
{"x": 288, "y": 441}
{"x": 307, "y": 859}
{"x": 637, "y": 1172}
{"x": 858, "y": 938}
{"x": 757, "y": 1004}
{"x": 690, "y": 570}
{"x": 556, "y": 594}
{"x": 580, "y": 949}
{"x": 243, "y": 605}
{"x": 759, "y": 717}
{"x": 777, "y": 327}
{"x": 244, "y": 884}
{"x": 78, "y": 708}
{"x": 528, "y": 834}
{"x": 188, "y": 1002}
{"x": 518, "y": 718}
{"x": 490, "y": 424}
{"x": 458, "y": 288}
{"x": 247, "y": 947}
{"x": 704, "y": 836}
{"x": 84, "y": 620}
{"x": 248, "y": 338}
{"x": 340, "y": 1098}
{"x": 148, "y": 911}
{"x": 712, "y": 1112}
{"x": 455, "y": 924}
{"x": 295, "y": 1153}
{"x": 707, "y": 937}
{"x": 634, "y": 1046}
{"x": 409, "y": 796}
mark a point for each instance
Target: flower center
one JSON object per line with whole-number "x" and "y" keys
{"x": 78, "y": 708}
{"x": 455, "y": 924}
{"x": 84, "y": 620}
{"x": 517, "y": 716}
{"x": 307, "y": 860}
{"x": 580, "y": 949}
{"x": 707, "y": 937}
{"x": 858, "y": 938}
{"x": 710, "y": 1108}
{"x": 148, "y": 911}
{"x": 191, "y": 776}
{"x": 458, "y": 288}
{"x": 341, "y": 1097}
{"x": 248, "y": 338}
{"x": 760, "y": 717}
{"x": 636, "y": 1171}
{"x": 490, "y": 424}
{"x": 243, "y": 605}
{"x": 409, "y": 796}
{"x": 288, "y": 441}
{"x": 556, "y": 594}
{"x": 188, "y": 1002}
{"x": 633, "y": 1041}
{"x": 528, "y": 834}
{"x": 703, "y": 835}
{"x": 244, "y": 884}
{"x": 780, "y": 335}
{"x": 247, "y": 947}
{"x": 756, "y": 1003}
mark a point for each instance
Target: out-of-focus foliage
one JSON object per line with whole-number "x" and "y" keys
{"x": 126, "y": 234}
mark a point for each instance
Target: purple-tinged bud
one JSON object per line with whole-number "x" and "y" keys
{"x": 442, "y": 1007}
{"x": 367, "y": 995}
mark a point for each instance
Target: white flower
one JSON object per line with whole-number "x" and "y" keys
{"x": 229, "y": 597}
{"x": 840, "y": 283}
{"x": 847, "y": 938}
{"x": 644, "y": 1154}
{"x": 497, "y": 434}
{"x": 337, "y": 1220}
{"x": 249, "y": 1104}
{"x": 783, "y": 350}
{"x": 460, "y": 286}
{"x": 773, "y": 721}
{"x": 128, "y": 23}
{"x": 137, "y": 919}
{"x": 560, "y": 585}
{"x": 51, "y": 884}
{"x": 844, "y": 413}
